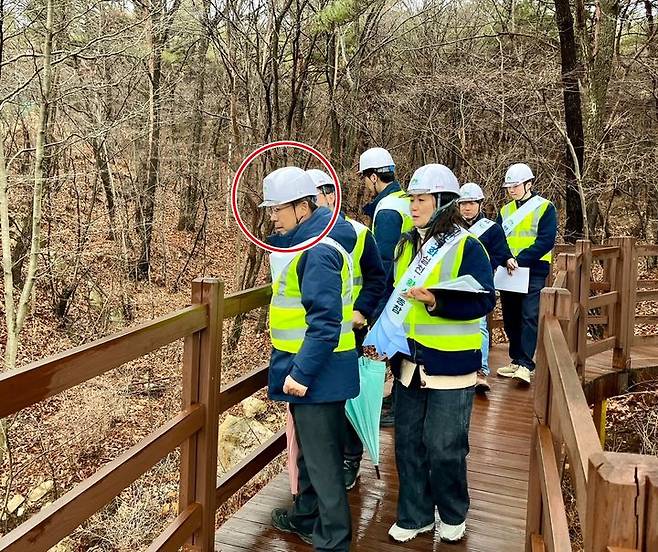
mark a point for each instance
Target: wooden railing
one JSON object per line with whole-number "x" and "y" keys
{"x": 194, "y": 428}
{"x": 616, "y": 494}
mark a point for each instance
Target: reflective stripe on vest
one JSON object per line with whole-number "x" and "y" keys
{"x": 399, "y": 203}
{"x": 436, "y": 332}
{"x": 524, "y": 234}
{"x": 361, "y": 231}
{"x": 288, "y": 315}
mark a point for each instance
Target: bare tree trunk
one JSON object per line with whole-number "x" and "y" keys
{"x": 573, "y": 119}
{"x": 149, "y": 186}
{"x": 190, "y": 193}
{"x": 15, "y": 314}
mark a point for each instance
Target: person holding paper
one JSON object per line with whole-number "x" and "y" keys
{"x": 313, "y": 366}
{"x": 491, "y": 235}
{"x": 390, "y": 216}
{"x": 530, "y": 224}
{"x": 434, "y": 385}
{"x": 369, "y": 288}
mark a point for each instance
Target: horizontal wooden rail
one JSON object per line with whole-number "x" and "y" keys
{"x": 234, "y": 479}
{"x": 596, "y": 347}
{"x": 647, "y": 284}
{"x": 646, "y": 319}
{"x": 598, "y": 320}
{"x": 242, "y": 388}
{"x": 46, "y": 528}
{"x": 603, "y": 300}
{"x": 576, "y": 422}
{"x": 247, "y": 300}
{"x": 647, "y": 250}
{"x": 42, "y": 379}
{"x": 646, "y": 295}
{"x": 599, "y": 286}
{"x": 606, "y": 252}
{"x": 557, "y": 533}
{"x": 177, "y": 533}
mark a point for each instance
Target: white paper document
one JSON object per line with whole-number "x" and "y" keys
{"x": 516, "y": 282}
{"x": 462, "y": 283}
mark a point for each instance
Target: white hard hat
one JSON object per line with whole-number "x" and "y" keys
{"x": 320, "y": 178}
{"x": 285, "y": 185}
{"x": 470, "y": 192}
{"x": 517, "y": 173}
{"x": 432, "y": 179}
{"x": 376, "y": 158}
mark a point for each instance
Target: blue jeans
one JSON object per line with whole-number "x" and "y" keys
{"x": 431, "y": 445}
{"x": 484, "y": 330}
{"x": 520, "y": 317}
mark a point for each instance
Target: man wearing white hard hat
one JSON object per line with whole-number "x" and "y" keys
{"x": 443, "y": 287}
{"x": 390, "y": 216}
{"x": 491, "y": 235}
{"x": 369, "y": 288}
{"x": 313, "y": 366}
{"x": 530, "y": 225}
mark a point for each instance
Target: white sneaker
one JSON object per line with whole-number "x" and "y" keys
{"x": 508, "y": 371}
{"x": 403, "y": 535}
{"x": 452, "y": 533}
{"x": 522, "y": 374}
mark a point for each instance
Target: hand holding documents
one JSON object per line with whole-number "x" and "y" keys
{"x": 516, "y": 282}
{"x": 463, "y": 283}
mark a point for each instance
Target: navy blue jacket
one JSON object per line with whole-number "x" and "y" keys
{"x": 495, "y": 243}
{"x": 457, "y": 305}
{"x": 329, "y": 376}
{"x": 546, "y": 234}
{"x": 374, "y": 279}
{"x": 387, "y": 227}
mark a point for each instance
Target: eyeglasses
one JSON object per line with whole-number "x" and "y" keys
{"x": 278, "y": 208}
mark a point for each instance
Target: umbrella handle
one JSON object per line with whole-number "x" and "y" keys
{"x": 377, "y": 472}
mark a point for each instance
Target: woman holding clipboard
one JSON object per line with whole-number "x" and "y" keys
{"x": 443, "y": 286}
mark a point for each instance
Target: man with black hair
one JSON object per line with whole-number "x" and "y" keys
{"x": 390, "y": 214}
{"x": 530, "y": 224}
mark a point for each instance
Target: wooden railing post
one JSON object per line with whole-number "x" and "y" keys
{"x": 624, "y": 312}
{"x": 622, "y": 502}
{"x": 201, "y": 380}
{"x": 550, "y": 304}
{"x": 573, "y": 286}
{"x": 584, "y": 251}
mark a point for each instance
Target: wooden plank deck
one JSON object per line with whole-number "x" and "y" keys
{"x": 498, "y": 480}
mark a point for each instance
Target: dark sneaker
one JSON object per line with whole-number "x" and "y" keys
{"x": 281, "y": 522}
{"x": 351, "y": 469}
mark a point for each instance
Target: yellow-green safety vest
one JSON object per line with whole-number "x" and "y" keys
{"x": 436, "y": 332}
{"x": 288, "y": 315}
{"x": 397, "y": 201}
{"x": 361, "y": 232}
{"x": 524, "y": 234}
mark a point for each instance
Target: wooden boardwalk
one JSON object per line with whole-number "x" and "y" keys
{"x": 498, "y": 481}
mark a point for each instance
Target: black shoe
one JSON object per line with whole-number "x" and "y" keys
{"x": 281, "y": 522}
{"x": 387, "y": 418}
{"x": 350, "y": 472}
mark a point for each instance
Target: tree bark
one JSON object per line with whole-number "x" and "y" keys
{"x": 573, "y": 118}
{"x": 190, "y": 193}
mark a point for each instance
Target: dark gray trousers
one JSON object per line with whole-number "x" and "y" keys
{"x": 321, "y": 506}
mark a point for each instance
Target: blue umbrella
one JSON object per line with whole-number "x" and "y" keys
{"x": 364, "y": 410}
